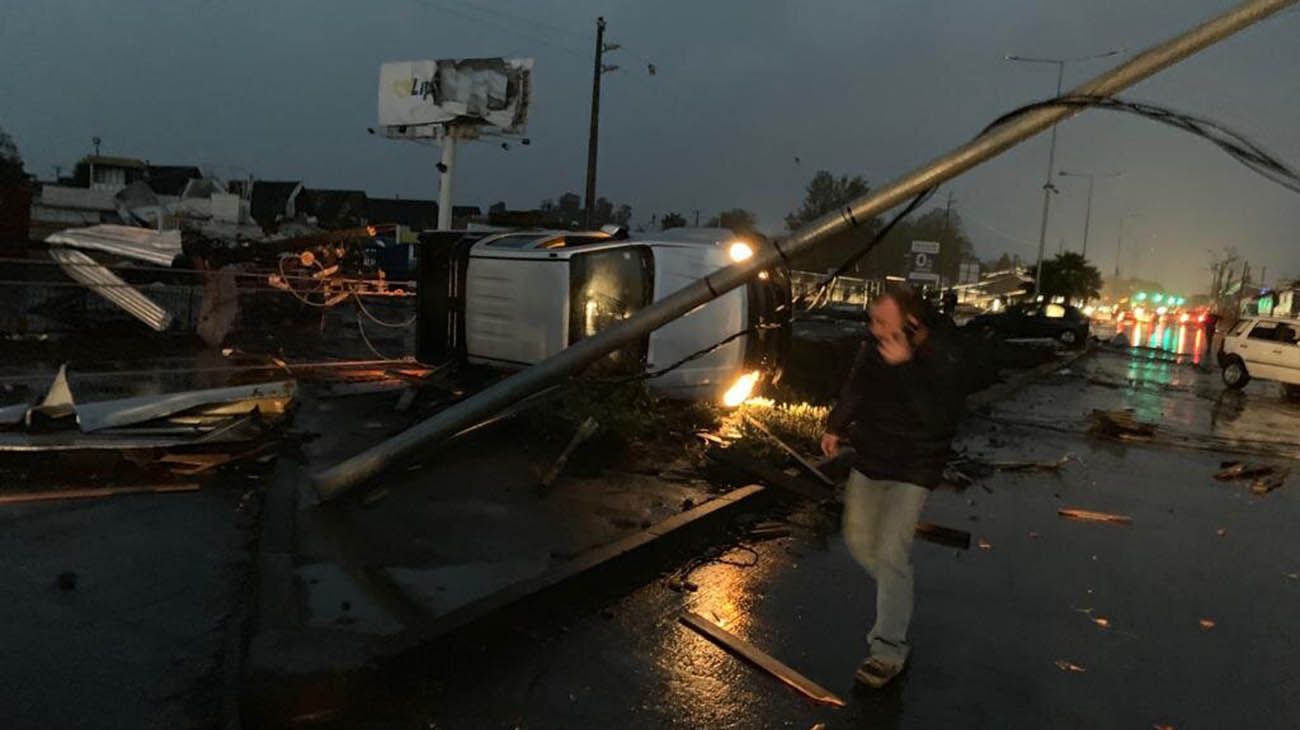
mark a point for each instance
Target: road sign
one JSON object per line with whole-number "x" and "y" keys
{"x": 922, "y": 262}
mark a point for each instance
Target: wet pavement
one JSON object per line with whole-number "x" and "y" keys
{"x": 1185, "y": 618}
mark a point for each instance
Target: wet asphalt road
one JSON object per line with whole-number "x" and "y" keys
{"x": 991, "y": 623}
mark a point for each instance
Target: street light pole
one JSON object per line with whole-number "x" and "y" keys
{"x": 1087, "y": 216}
{"x": 1119, "y": 242}
{"x": 1048, "y": 188}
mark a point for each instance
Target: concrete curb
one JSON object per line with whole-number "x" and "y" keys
{"x": 293, "y": 671}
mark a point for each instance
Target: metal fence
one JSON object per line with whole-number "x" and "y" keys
{"x": 845, "y": 290}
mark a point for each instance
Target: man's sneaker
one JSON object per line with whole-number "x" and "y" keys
{"x": 876, "y": 673}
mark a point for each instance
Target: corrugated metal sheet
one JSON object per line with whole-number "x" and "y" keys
{"x": 112, "y": 287}
{"x": 141, "y": 244}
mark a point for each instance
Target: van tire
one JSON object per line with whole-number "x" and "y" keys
{"x": 1234, "y": 373}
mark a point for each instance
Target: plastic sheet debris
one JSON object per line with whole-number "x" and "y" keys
{"x": 1084, "y": 515}
{"x": 1119, "y": 425}
{"x": 1066, "y": 665}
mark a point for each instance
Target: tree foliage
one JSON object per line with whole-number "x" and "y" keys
{"x": 568, "y": 212}
{"x": 737, "y": 219}
{"x": 11, "y": 162}
{"x": 672, "y": 220}
{"x": 825, "y": 193}
{"x": 1070, "y": 275}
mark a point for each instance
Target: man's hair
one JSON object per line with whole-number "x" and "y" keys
{"x": 909, "y": 303}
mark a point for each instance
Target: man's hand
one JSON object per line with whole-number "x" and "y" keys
{"x": 830, "y": 444}
{"x": 895, "y": 349}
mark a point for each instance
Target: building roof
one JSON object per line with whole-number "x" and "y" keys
{"x": 417, "y": 214}
{"x": 107, "y": 160}
{"x": 270, "y": 199}
{"x": 170, "y": 179}
{"x": 346, "y": 207}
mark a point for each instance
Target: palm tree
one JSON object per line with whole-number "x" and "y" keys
{"x": 1070, "y": 275}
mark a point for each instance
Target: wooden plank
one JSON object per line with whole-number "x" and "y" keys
{"x": 93, "y": 493}
{"x": 759, "y": 658}
{"x": 943, "y": 535}
{"x": 1085, "y": 515}
{"x": 807, "y": 465}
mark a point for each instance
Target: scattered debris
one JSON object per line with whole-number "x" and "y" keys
{"x": 585, "y": 431}
{"x": 376, "y": 496}
{"x": 1068, "y": 666}
{"x": 1119, "y": 425}
{"x": 984, "y": 544}
{"x": 756, "y": 656}
{"x": 93, "y": 493}
{"x": 1267, "y": 478}
{"x": 1233, "y": 470}
{"x": 1221, "y": 532}
{"x": 1033, "y": 535}
{"x": 1207, "y": 624}
{"x": 1162, "y": 726}
{"x": 1101, "y": 621}
{"x": 1268, "y": 483}
{"x": 1015, "y": 466}
{"x": 943, "y": 535}
{"x": 1091, "y": 516}
{"x": 807, "y": 465}
{"x": 1293, "y": 576}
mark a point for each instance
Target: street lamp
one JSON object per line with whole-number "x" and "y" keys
{"x": 1119, "y": 242}
{"x": 1087, "y": 217}
{"x": 1048, "y": 188}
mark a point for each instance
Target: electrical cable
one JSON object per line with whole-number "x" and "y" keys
{"x": 689, "y": 358}
{"x": 361, "y": 307}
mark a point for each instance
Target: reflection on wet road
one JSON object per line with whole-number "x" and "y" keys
{"x": 1184, "y": 338}
{"x": 1198, "y": 593}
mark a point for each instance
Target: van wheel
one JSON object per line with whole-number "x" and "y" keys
{"x": 1069, "y": 338}
{"x": 1234, "y": 373}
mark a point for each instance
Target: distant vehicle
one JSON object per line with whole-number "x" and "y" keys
{"x": 1062, "y": 322}
{"x": 514, "y": 298}
{"x": 1264, "y": 348}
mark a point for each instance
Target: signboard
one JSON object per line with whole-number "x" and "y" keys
{"x": 418, "y": 97}
{"x": 922, "y": 262}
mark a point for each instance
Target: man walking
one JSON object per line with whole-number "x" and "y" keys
{"x": 899, "y": 408}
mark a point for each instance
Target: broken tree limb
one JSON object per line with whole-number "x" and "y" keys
{"x": 585, "y": 431}
{"x": 1084, "y": 515}
{"x": 805, "y": 463}
{"x": 1032, "y": 465}
{"x": 761, "y": 659}
{"x": 93, "y": 493}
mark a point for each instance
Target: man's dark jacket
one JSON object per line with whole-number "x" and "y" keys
{"x": 901, "y": 418}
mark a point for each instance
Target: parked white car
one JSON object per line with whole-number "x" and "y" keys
{"x": 514, "y": 298}
{"x": 1266, "y": 348}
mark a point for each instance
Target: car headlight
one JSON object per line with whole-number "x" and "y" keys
{"x": 739, "y": 251}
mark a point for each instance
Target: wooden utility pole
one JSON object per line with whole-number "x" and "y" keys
{"x": 593, "y": 134}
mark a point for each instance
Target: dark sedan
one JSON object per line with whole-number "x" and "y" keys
{"x": 1061, "y": 322}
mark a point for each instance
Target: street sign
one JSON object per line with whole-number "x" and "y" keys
{"x": 922, "y": 262}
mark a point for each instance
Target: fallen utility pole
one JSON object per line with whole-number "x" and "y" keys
{"x": 338, "y": 479}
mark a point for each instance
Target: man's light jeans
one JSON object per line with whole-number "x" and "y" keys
{"x": 879, "y": 521}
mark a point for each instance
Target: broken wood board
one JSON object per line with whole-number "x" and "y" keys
{"x": 759, "y": 658}
{"x": 93, "y": 493}
{"x": 1085, "y": 515}
{"x": 770, "y": 475}
{"x": 803, "y": 462}
{"x": 585, "y": 431}
{"x": 1014, "y": 466}
{"x": 941, "y": 535}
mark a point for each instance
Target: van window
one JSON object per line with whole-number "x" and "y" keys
{"x": 606, "y": 287}
{"x": 1053, "y": 311}
{"x": 1239, "y": 328}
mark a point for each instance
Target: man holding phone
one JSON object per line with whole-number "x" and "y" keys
{"x": 899, "y": 407}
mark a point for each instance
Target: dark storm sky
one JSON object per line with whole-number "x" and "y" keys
{"x": 285, "y": 89}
